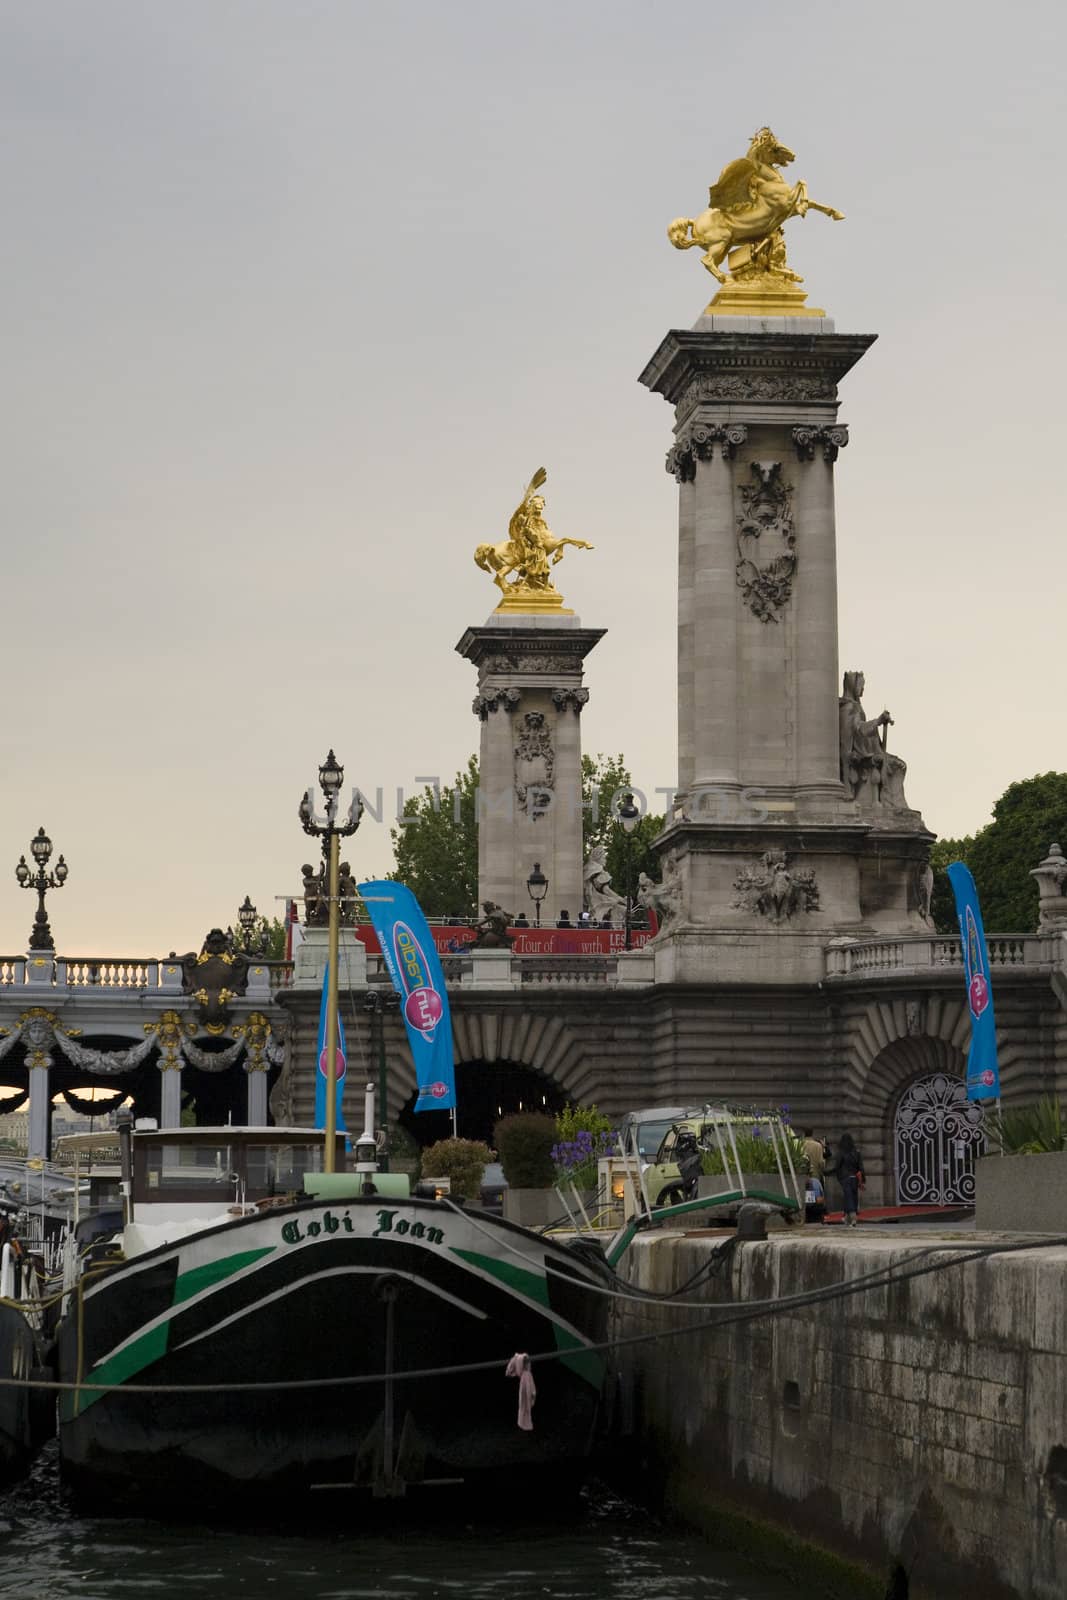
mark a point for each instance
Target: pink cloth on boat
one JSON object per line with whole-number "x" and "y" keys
{"x": 519, "y": 1367}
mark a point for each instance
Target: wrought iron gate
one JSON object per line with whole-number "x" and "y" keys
{"x": 937, "y": 1134}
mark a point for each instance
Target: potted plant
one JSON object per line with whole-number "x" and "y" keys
{"x": 524, "y": 1148}
{"x": 461, "y": 1161}
{"x": 1021, "y": 1185}
{"x": 584, "y": 1136}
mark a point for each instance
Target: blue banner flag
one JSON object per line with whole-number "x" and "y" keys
{"x": 983, "y": 1074}
{"x": 415, "y": 968}
{"x": 342, "y": 1064}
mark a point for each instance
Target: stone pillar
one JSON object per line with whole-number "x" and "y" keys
{"x": 40, "y": 1106}
{"x": 756, "y": 437}
{"x": 170, "y": 1093}
{"x": 256, "y": 1114}
{"x": 530, "y": 698}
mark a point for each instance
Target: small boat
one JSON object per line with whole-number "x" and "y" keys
{"x": 23, "y": 1409}
{"x": 258, "y": 1326}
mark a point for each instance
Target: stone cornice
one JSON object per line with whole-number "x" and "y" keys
{"x": 529, "y": 650}
{"x": 691, "y": 368}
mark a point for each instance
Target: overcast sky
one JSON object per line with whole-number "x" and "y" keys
{"x": 298, "y": 293}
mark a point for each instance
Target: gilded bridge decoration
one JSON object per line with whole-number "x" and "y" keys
{"x": 742, "y": 226}
{"x": 521, "y": 564}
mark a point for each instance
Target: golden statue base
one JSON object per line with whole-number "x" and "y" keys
{"x": 534, "y": 602}
{"x": 769, "y": 295}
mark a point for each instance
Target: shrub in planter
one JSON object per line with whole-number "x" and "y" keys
{"x": 755, "y": 1153}
{"x": 461, "y": 1161}
{"x": 524, "y": 1146}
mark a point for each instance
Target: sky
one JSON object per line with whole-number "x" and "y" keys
{"x": 296, "y": 295}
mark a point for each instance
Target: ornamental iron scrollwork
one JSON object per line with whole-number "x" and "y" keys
{"x": 937, "y": 1134}
{"x": 767, "y": 514}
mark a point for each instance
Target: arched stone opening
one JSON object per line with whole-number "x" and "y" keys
{"x": 937, "y": 1136}
{"x": 485, "y": 1092}
{"x": 890, "y": 1080}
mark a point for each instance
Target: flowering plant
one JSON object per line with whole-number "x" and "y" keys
{"x": 575, "y": 1159}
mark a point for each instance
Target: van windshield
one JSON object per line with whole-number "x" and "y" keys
{"x": 650, "y": 1136}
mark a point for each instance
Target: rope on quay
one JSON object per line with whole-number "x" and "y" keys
{"x": 751, "y": 1311}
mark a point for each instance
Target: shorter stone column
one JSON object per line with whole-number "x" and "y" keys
{"x": 40, "y": 1106}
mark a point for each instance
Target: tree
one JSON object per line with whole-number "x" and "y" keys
{"x": 605, "y": 779}
{"x": 267, "y": 937}
{"x": 1027, "y": 818}
{"x": 437, "y": 849}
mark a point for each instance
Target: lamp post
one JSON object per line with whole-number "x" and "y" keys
{"x": 42, "y": 881}
{"x": 537, "y": 888}
{"x": 377, "y": 1003}
{"x": 331, "y": 832}
{"x": 246, "y": 917}
{"x": 628, "y": 816}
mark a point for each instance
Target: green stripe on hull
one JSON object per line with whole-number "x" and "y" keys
{"x": 141, "y": 1352}
{"x": 585, "y": 1363}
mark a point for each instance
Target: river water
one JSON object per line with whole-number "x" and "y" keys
{"x": 609, "y": 1550}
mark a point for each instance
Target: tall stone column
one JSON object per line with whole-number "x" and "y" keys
{"x": 766, "y": 837}
{"x": 37, "y": 1140}
{"x": 529, "y": 701}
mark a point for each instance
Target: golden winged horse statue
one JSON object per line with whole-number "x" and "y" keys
{"x": 747, "y": 209}
{"x": 526, "y": 556}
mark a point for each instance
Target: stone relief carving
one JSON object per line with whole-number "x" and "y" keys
{"x": 529, "y": 663}
{"x": 807, "y": 440}
{"x": 570, "y": 699}
{"x": 1050, "y": 875}
{"x": 766, "y": 517}
{"x": 873, "y": 775}
{"x": 535, "y": 761}
{"x": 699, "y": 443}
{"x": 666, "y": 899}
{"x": 756, "y": 386}
{"x": 493, "y": 699}
{"x": 774, "y": 889}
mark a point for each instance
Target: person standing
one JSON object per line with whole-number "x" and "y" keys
{"x": 848, "y": 1168}
{"x": 815, "y": 1154}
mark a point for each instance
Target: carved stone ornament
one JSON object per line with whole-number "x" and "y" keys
{"x": 255, "y": 1031}
{"x": 529, "y": 663}
{"x": 1050, "y": 875}
{"x": 213, "y": 978}
{"x": 808, "y": 440}
{"x": 496, "y": 699}
{"x": 104, "y": 1063}
{"x": 775, "y": 890}
{"x": 766, "y": 523}
{"x": 570, "y": 700}
{"x": 699, "y": 443}
{"x": 169, "y": 1032}
{"x": 757, "y": 386}
{"x": 535, "y": 759}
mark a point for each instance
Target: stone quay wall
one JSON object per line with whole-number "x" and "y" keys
{"x": 920, "y": 1425}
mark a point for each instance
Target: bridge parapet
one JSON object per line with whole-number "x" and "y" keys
{"x": 867, "y": 958}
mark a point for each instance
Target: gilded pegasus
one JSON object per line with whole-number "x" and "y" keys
{"x": 748, "y": 206}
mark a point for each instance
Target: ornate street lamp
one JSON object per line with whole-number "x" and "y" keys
{"x": 331, "y": 832}
{"x": 628, "y": 816}
{"x": 537, "y": 888}
{"x": 378, "y": 1001}
{"x": 42, "y": 881}
{"x": 247, "y": 916}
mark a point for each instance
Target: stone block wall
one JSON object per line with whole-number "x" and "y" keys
{"x": 922, "y": 1423}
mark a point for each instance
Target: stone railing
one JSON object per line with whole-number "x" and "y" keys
{"x": 116, "y": 972}
{"x": 846, "y": 958}
{"x": 565, "y": 970}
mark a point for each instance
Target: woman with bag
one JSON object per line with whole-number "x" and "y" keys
{"x": 848, "y": 1168}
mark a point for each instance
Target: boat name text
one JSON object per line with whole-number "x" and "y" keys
{"x": 388, "y": 1222}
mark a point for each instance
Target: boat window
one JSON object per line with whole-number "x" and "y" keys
{"x": 279, "y": 1169}
{"x": 199, "y": 1167}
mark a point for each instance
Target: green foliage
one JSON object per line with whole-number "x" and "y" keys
{"x": 437, "y": 851}
{"x": 1032, "y": 1130}
{"x": 573, "y": 1120}
{"x": 404, "y": 1152}
{"x": 1026, "y": 819}
{"x": 605, "y": 779}
{"x": 755, "y": 1152}
{"x": 267, "y": 938}
{"x": 524, "y": 1146}
{"x": 462, "y": 1161}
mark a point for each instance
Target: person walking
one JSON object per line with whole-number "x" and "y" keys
{"x": 848, "y": 1169}
{"x": 815, "y": 1154}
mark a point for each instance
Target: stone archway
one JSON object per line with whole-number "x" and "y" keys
{"x": 485, "y": 1091}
